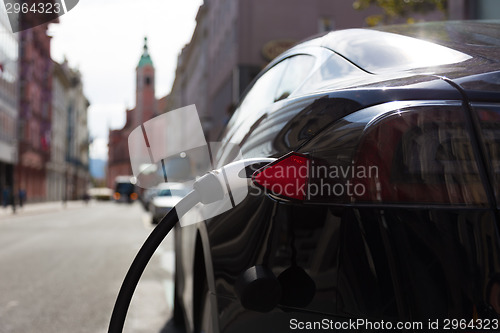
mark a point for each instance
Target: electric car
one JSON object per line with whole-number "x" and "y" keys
{"x": 395, "y": 217}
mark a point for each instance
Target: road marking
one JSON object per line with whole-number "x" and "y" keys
{"x": 169, "y": 287}
{"x": 146, "y": 221}
{"x": 167, "y": 263}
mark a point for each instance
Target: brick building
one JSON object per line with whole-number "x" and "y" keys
{"x": 35, "y": 108}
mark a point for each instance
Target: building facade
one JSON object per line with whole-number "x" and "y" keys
{"x": 235, "y": 39}
{"x": 77, "y": 140}
{"x": 43, "y": 117}
{"x": 8, "y": 106}
{"x": 146, "y": 108}
{"x": 35, "y": 110}
{"x": 57, "y": 167}
{"x": 68, "y": 168}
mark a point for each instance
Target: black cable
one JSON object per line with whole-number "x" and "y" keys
{"x": 208, "y": 189}
{"x": 142, "y": 259}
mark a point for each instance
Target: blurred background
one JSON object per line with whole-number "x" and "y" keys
{"x": 72, "y": 91}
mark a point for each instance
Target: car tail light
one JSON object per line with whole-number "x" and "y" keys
{"x": 416, "y": 152}
{"x": 287, "y": 177}
{"x": 116, "y": 196}
{"x": 133, "y": 196}
{"x": 421, "y": 155}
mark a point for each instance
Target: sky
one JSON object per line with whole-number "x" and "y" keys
{"x": 104, "y": 40}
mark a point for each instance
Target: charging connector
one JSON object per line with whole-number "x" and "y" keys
{"x": 215, "y": 186}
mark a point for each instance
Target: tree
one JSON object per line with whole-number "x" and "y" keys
{"x": 393, "y": 9}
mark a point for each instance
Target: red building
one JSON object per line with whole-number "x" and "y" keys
{"x": 35, "y": 108}
{"x": 145, "y": 109}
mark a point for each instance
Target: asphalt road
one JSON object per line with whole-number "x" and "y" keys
{"x": 61, "y": 269}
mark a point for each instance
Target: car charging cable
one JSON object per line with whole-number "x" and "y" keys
{"x": 215, "y": 186}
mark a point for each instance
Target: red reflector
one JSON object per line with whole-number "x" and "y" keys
{"x": 287, "y": 177}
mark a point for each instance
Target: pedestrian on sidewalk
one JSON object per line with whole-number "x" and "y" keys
{"x": 86, "y": 198}
{"x": 13, "y": 200}
{"x": 22, "y": 197}
{"x": 5, "y": 197}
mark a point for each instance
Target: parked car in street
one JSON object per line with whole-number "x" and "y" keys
{"x": 166, "y": 196}
{"x": 100, "y": 193}
{"x": 125, "y": 190}
{"x": 147, "y": 196}
{"x": 396, "y": 216}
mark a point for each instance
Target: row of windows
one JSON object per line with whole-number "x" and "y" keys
{"x": 220, "y": 22}
{"x": 7, "y": 127}
{"x": 8, "y": 43}
{"x": 8, "y": 63}
{"x": 8, "y": 78}
{"x": 33, "y": 135}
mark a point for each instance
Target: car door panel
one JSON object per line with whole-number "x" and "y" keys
{"x": 417, "y": 264}
{"x": 269, "y": 235}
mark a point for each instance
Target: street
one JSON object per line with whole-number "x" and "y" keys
{"x": 62, "y": 267}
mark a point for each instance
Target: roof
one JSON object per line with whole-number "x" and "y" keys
{"x": 145, "y": 57}
{"x": 407, "y": 47}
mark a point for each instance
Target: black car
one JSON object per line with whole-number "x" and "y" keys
{"x": 394, "y": 223}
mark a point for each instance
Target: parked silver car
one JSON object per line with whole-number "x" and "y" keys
{"x": 167, "y": 196}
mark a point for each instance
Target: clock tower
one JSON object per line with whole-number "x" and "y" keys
{"x": 146, "y": 107}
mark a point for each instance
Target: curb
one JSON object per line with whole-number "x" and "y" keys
{"x": 40, "y": 208}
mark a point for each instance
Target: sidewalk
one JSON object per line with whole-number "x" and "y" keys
{"x": 40, "y": 208}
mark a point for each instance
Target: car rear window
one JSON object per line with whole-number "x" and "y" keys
{"x": 377, "y": 51}
{"x": 165, "y": 193}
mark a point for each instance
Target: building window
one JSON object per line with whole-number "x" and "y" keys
{"x": 148, "y": 81}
